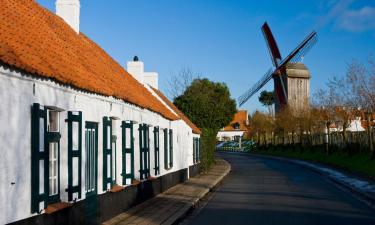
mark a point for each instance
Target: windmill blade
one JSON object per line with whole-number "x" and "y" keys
{"x": 298, "y": 53}
{"x": 266, "y": 77}
{"x": 271, "y": 44}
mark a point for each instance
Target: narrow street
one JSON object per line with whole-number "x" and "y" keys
{"x": 266, "y": 191}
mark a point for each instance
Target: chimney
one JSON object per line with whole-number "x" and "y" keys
{"x": 69, "y": 11}
{"x": 136, "y": 69}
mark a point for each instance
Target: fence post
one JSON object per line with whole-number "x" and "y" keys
{"x": 369, "y": 115}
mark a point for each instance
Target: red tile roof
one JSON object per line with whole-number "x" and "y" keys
{"x": 195, "y": 129}
{"x": 240, "y": 117}
{"x": 38, "y": 42}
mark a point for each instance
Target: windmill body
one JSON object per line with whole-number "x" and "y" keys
{"x": 291, "y": 78}
{"x": 297, "y": 87}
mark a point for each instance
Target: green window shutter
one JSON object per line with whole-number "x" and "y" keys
{"x": 198, "y": 150}
{"x": 127, "y": 149}
{"x": 194, "y": 153}
{"x": 147, "y": 150}
{"x": 140, "y": 133}
{"x": 156, "y": 152}
{"x": 39, "y": 153}
{"x": 107, "y": 152}
{"x": 170, "y": 148}
{"x": 165, "y": 131}
{"x": 74, "y": 154}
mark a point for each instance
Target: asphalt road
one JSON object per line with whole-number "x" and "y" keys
{"x": 266, "y": 191}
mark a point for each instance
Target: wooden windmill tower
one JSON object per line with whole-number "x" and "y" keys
{"x": 291, "y": 77}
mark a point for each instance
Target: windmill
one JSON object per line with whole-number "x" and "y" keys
{"x": 281, "y": 66}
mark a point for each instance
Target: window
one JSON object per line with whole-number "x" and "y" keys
{"x": 45, "y": 156}
{"x": 127, "y": 152}
{"x": 107, "y": 154}
{"x": 196, "y": 150}
{"x": 144, "y": 144}
{"x": 236, "y": 126}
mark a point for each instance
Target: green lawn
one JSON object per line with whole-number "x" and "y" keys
{"x": 359, "y": 163}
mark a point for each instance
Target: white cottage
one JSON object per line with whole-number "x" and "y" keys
{"x": 81, "y": 139}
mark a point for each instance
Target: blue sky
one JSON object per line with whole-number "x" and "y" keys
{"x": 222, "y": 40}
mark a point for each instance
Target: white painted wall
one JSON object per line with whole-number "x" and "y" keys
{"x": 17, "y": 97}
{"x": 222, "y": 135}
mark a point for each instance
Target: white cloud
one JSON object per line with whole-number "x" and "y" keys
{"x": 335, "y": 9}
{"x": 359, "y": 20}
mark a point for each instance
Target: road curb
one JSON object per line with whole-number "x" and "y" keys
{"x": 186, "y": 210}
{"x": 363, "y": 196}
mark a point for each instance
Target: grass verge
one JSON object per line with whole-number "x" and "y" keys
{"x": 358, "y": 163}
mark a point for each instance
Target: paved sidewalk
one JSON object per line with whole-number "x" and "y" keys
{"x": 168, "y": 207}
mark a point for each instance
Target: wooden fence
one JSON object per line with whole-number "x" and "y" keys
{"x": 360, "y": 140}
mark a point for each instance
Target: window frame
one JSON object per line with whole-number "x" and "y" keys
{"x": 40, "y": 151}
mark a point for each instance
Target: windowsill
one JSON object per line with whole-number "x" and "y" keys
{"x": 152, "y": 178}
{"x": 135, "y": 182}
{"x": 57, "y": 207}
{"x": 116, "y": 188}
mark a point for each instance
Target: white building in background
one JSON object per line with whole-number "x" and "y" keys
{"x": 78, "y": 131}
{"x": 237, "y": 129}
{"x": 355, "y": 125}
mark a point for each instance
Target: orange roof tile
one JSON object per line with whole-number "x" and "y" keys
{"x": 38, "y": 42}
{"x": 240, "y": 117}
{"x": 195, "y": 129}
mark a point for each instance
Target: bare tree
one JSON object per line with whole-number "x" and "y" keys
{"x": 178, "y": 82}
{"x": 362, "y": 81}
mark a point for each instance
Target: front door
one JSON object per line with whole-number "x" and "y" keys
{"x": 91, "y": 172}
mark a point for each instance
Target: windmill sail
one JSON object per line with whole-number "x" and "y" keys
{"x": 271, "y": 44}
{"x": 301, "y": 50}
{"x": 295, "y": 56}
{"x": 266, "y": 77}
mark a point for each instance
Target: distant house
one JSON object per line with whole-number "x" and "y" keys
{"x": 357, "y": 122}
{"x": 237, "y": 128}
{"x": 82, "y": 139}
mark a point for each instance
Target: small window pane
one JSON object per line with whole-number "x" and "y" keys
{"x": 53, "y": 168}
{"x": 128, "y": 161}
{"x": 157, "y": 140}
{"x": 75, "y": 171}
{"x": 108, "y": 137}
{"x": 53, "y": 121}
{"x": 41, "y": 134}
{"x": 127, "y": 138}
{"x": 114, "y": 159}
{"x": 75, "y": 134}
{"x": 108, "y": 166}
{"x": 41, "y": 176}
